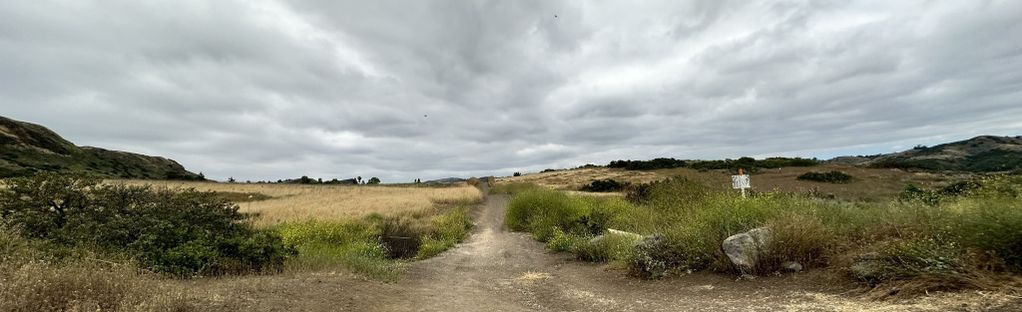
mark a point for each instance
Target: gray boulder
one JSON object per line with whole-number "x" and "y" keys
{"x": 745, "y": 249}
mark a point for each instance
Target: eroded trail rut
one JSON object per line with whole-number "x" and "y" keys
{"x": 498, "y": 270}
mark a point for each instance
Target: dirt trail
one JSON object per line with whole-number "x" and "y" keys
{"x": 497, "y": 270}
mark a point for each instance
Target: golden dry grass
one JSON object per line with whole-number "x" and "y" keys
{"x": 575, "y": 178}
{"x": 294, "y": 202}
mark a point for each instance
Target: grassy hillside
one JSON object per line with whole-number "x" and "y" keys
{"x": 27, "y": 148}
{"x": 979, "y": 154}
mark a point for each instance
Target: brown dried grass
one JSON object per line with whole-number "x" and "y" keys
{"x": 294, "y": 202}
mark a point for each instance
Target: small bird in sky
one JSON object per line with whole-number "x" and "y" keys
{"x": 555, "y": 15}
{"x": 425, "y": 116}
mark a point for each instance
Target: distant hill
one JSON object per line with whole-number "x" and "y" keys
{"x": 450, "y": 180}
{"x": 979, "y": 154}
{"x": 26, "y": 148}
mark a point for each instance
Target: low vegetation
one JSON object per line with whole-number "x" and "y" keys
{"x": 752, "y": 165}
{"x": 827, "y": 177}
{"x": 35, "y": 281}
{"x": 961, "y": 241}
{"x": 369, "y": 245}
{"x": 73, "y": 243}
{"x": 605, "y": 185}
{"x": 657, "y": 163}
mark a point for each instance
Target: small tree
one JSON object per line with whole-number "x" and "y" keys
{"x": 231, "y": 180}
{"x": 518, "y": 174}
{"x": 373, "y": 181}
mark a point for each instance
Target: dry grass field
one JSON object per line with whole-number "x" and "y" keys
{"x": 294, "y": 202}
{"x": 870, "y": 184}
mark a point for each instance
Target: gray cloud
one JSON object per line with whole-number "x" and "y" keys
{"x": 425, "y": 89}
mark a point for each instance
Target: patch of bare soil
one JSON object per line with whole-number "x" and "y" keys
{"x": 497, "y": 270}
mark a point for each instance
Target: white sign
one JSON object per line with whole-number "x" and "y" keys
{"x": 740, "y": 181}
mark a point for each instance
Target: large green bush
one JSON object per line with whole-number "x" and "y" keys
{"x": 181, "y": 233}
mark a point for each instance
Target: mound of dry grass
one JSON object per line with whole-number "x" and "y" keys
{"x": 84, "y": 286}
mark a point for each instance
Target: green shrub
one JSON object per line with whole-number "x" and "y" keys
{"x": 401, "y": 235}
{"x": 653, "y": 257}
{"x": 181, "y": 233}
{"x": 802, "y": 238}
{"x": 656, "y": 163}
{"x": 606, "y": 185}
{"x": 826, "y": 177}
{"x": 353, "y": 245}
{"x": 563, "y": 242}
{"x": 542, "y": 212}
{"x": 913, "y": 193}
{"x": 368, "y": 245}
{"x": 960, "y": 188}
{"x": 609, "y": 247}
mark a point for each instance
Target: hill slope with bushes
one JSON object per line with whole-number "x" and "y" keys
{"x": 979, "y": 154}
{"x": 27, "y": 148}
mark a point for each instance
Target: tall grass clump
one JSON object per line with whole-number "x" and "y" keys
{"x": 543, "y": 211}
{"x": 32, "y": 280}
{"x": 446, "y": 230}
{"x": 374, "y": 245}
{"x": 571, "y": 223}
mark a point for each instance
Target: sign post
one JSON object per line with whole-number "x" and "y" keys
{"x": 740, "y": 181}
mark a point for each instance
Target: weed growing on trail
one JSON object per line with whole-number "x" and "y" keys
{"x": 950, "y": 243}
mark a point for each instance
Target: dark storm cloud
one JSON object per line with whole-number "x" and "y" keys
{"x": 425, "y": 89}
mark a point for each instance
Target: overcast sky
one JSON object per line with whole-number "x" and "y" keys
{"x": 428, "y": 89}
